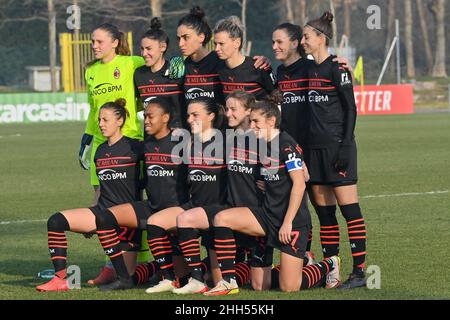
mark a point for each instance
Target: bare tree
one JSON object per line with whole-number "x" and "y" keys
{"x": 156, "y": 7}
{"x": 426, "y": 40}
{"x": 410, "y": 68}
{"x": 52, "y": 42}
{"x": 390, "y": 25}
{"x": 347, "y": 17}
{"x": 243, "y": 5}
{"x": 390, "y": 33}
{"x": 289, "y": 11}
{"x": 303, "y": 12}
{"x": 439, "y": 69}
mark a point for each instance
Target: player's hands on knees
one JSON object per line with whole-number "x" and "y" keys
{"x": 262, "y": 62}
{"x": 284, "y": 235}
{"x": 344, "y": 63}
{"x": 84, "y": 156}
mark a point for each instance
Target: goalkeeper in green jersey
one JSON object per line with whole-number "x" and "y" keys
{"x": 108, "y": 78}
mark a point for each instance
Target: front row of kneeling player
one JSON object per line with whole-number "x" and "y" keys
{"x": 214, "y": 194}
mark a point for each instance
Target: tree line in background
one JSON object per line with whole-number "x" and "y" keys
{"x": 25, "y": 33}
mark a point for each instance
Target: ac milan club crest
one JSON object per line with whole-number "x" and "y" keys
{"x": 117, "y": 73}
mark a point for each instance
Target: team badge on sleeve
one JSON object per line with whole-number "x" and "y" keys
{"x": 293, "y": 163}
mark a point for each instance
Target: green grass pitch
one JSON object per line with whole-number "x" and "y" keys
{"x": 404, "y": 183}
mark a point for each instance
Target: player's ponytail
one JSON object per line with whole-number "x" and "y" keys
{"x": 196, "y": 20}
{"x": 269, "y": 106}
{"x": 122, "y": 47}
{"x": 294, "y": 33}
{"x": 323, "y": 25}
{"x": 233, "y": 26}
{"x": 118, "y": 107}
{"x": 156, "y": 33}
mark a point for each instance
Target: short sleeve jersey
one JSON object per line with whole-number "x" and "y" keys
{"x": 207, "y": 172}
{"x": 107, "y": 82}
{"x": 165, "y": 174}
{"x": 157, "y": 84}
{"x": 118, "y": 171}
{"x": 246, "y": 77}
{"x": 330, "y": 92}
{"x": 242, "y": 169}
{"x": 202, "y": 78}
{"x": 277, "y": 162}
{"x": 293, "y": 83}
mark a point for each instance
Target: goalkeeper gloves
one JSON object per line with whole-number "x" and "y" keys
{"x": 84, "y": 155}
{"x": 176, "y": 67}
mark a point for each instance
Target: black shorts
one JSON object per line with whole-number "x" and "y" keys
{"x": 296, "y": 248}
{"x": 320, "y": 163}
{"x": 143, "y": 212}
{"x": 130, "y": 239}
{"x": 262, "y": 254}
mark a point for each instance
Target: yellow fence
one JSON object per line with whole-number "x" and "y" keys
{"x": 76, "y": 52}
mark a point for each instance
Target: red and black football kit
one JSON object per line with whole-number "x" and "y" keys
{"x": 151, "y": 84}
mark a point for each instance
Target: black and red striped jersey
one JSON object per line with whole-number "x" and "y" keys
{"x": 157, "y": 84}
{"x": 166, "y": 175}
{"x": 118, "y": 171}
{"x": 247, "y": 78}
{"x": 283, "y": 155}
{"x": 207, "y": 171}
{"x": 243, "y": 169}
{"x": 293, "y": 83}
{"x": 332, "y": 104}
{"x": 202, "y": 78}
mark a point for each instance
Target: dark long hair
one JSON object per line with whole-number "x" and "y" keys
{"x": 196, "y": 20}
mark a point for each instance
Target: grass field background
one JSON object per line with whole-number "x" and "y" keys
{"x": 404, "y": 172}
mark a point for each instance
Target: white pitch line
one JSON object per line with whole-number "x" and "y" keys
{"x": 21, "y": 221}
{"x": 406, "y": 194}
{"x": 363, "y": 197}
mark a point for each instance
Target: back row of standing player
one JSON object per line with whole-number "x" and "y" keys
{"x": 324, "y": 88}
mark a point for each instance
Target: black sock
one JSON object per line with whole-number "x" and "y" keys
{"x": 225, "y": 246}
{"x": 144, "y": 272}
{"x": 242, "y": 270}
{"x": 107, "y": 234}
{"x": 329, "y": 230}
{"x": 161, "y": 249}
{"x": 57, "y": 242}
{"x": 356, "y": 234}
{"x": 190, "y": 247}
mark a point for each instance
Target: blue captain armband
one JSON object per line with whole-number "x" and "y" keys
{"x": 294, "y": 164}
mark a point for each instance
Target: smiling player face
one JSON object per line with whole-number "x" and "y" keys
{"x": 155, "y": 120}
{"x": 152, "y": 51}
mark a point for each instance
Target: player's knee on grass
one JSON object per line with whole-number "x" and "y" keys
{"x": 288, "y": 285}
{"x": 261, "y": 278}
